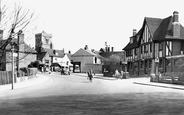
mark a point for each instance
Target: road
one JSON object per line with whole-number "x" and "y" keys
{"x": 75, "y": 95}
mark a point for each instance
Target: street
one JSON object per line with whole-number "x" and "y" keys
{"x": 75, "y": 95}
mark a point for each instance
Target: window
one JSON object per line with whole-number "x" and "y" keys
{"x": 95, "y": 60}
{"x": 135, "y": 51}
{"x": 131, "y": 40}
{"x": 141, "y": 64}
{"x": 150, "y": 63}
{"x": 150, "y": 47}
{"x": 160, "y": 46}
{"x": 160, "y": 63}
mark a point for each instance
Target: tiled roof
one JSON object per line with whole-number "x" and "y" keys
{"x": 53, "y": 52}
{"x": 160, "y": 29}
{"x": 153, "y": 24}
{"x": 27, "y": 49}
{"x": 135, "y": 41}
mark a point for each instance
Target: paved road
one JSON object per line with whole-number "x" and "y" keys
{"x": 75, "y": 95}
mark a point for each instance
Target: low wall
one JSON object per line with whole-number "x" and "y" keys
{"x": 171, "y": 78}
{"x": 6, "y": 76}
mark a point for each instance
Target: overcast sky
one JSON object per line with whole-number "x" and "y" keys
{"x": 76, "y": 23}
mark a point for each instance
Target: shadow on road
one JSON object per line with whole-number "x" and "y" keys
{"x": 94, "y": 104}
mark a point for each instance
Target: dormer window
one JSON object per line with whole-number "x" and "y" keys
{"x": 138, "y": 38}
{"x": 131, "y": 40}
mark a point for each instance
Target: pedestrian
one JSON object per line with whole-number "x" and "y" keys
{"x": 90, "y": 76}
{"x": 117, "y": 74}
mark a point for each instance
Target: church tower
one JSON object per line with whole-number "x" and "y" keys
{"x": 43, "y": 40}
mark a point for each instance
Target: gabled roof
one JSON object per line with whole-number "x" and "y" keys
{"x": 69, "y": 55}
{"x": 53, "y": 52}
{"x": 83, "y": 52}
{"x": 135, "y": 41}
{"x": 27, "y": 49}
{"x": 153, "y": 24}
{"x": 160, "y": 29}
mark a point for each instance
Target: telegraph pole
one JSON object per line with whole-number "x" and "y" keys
{"x": 12, "y": 67}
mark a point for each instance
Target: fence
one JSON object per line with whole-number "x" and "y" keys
{"x": 171, "y": 77}
{"x": 6, "y": 76}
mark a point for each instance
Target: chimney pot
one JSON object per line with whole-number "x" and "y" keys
{"x": 134, "y": 32}
{"x": 175, "y": 16}
{"x": 176, "y": 24}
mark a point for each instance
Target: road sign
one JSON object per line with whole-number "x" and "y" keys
{"x": 157, "y": 60}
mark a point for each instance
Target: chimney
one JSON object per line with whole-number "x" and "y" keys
{"x": 176, "y": 24}
{"x": 86, "y": 47}
{"x": 108, "y": 48}
{"x": 112, "y": 49}
{"x": 20, "y": 37}
{"x": 134, "y": 32}
{"x": 175, "y": 16}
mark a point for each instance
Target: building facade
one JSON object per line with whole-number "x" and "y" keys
{"x": 24, "y": 54}
{"x": 47, "y": 55}
{"x": 85, "y": 59}
{"x": 159, "y": 41}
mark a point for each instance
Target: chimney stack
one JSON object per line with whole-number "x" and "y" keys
{"x": 176, "y": 24}
{"x": 86, "y": 47}
{"x": 112, "y": 49}
{"x": 175, "y": 16}
{"x": 20, "y": 37}
{"x": 134, "y": 32}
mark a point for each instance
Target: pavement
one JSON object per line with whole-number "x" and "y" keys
{"x": 139, "y": 81}
{"x": 37, "y": 80}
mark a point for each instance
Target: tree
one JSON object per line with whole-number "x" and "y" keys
{"x": 18, "y": 19}
{"x": 114, "y": 59}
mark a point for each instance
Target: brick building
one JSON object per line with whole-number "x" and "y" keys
{"x": 159, "y": 40}
{"x": 24, "y": 53}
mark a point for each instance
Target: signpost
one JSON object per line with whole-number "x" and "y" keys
{"x": 157, "y": 62}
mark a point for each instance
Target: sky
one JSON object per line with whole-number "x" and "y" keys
{"x": 76, "y": 23}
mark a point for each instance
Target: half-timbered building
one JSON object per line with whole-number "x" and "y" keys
{"x": 158, "y": 40}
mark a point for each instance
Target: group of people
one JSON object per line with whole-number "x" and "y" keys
{"x": 118, "y": 74}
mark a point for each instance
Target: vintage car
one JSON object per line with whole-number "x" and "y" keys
{"x": 65, "y": 71}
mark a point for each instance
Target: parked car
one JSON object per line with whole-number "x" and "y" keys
{"x": 65, "y": 71}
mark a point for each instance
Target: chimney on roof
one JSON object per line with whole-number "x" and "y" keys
{"x": 134, "y": 32}
{"x": 176, "y": 24}
{"x": 175, "y": 16}
{"x": 20, "y": 37}
{"x": 86, "y": 47}
{"x": 112, "y": 49}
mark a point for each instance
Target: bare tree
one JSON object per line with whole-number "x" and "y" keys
{"x": 18, "y": 19}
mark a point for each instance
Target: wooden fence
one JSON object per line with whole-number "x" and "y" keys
{"x": 6, "y": 76}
